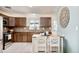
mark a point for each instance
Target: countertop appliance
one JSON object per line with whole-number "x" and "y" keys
{"x": 5, "y": 22}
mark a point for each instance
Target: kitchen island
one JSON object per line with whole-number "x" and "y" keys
{"x": 51, "y": 43}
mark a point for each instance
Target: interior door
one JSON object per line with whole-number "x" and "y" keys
{"x": 1, "y": 32}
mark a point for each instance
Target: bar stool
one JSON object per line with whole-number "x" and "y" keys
{"x": 42, "y": 44}
{"x": 54, "y": 45}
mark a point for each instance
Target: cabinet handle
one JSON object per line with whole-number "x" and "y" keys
{"x": 0, "y": 39}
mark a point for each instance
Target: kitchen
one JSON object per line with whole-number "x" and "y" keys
{"x": 25, "y": 23}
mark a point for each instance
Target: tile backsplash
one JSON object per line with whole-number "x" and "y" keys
{"x": 26, "y": 29}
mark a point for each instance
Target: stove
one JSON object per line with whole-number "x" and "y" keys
{"x": 6, "y": 38}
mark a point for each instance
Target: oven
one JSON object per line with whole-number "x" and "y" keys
{"x": 6, "y": 39}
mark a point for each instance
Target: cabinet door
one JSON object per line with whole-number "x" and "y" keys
{"x": 15, "y": 37}
{"x": 45, "y": 21}
{"x": 20, "y": 22}
{"x": 29, "y": 37}
{"x": 11, "y": 21}
{"x": 48, "y": 22}
{"x": 20, "y": 37}
{"x": 24, "y": 37}
{"x": 42, "y": 22}
{"x": 12, "y": 35}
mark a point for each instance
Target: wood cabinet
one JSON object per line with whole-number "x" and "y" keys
{"x": 20, "y": 37}
{"x": 20, "y": 21}
{"x": 29, "y": 36}
{"x": 15, "y": 21}
{"x": 23, "y": 36}
{"x": 45, "y": 21}
{"x": 8, "y": 19}
{"x": 11, "y": 21}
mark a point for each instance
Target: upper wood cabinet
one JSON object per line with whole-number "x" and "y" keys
{"x": 20, "y": 21}
{"x": 45, "y": 21}
{"x": 17, "y": 21}
{"x": 11, "y": 21}
{"x": 14, "y": 21}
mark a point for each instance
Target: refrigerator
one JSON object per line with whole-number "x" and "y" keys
{"x": 1, "y": 33}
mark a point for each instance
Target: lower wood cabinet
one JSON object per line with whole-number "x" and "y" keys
{"x": 20, "y": 37}
{"x": 29, "y": 36}
{"x": 23, "y": 36}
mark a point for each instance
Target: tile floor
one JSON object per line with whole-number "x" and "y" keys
{"x": 19, "y": 48}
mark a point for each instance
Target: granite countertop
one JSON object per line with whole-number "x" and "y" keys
{"x": 27, "y": 30}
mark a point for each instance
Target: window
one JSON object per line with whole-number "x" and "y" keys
{"x": 34, "y": 24}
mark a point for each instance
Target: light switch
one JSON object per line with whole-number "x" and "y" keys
{"x": 76, "y": 28}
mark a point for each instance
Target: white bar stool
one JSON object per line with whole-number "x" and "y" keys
{"x": 42, "y": 44}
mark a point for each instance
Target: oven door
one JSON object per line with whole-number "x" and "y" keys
{"x": 9, "y": 37}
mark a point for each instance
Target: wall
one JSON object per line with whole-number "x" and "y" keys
{"x": 1, "y": 31}
{"x": 1, "y": 27}
{"x": 71, "y": 32}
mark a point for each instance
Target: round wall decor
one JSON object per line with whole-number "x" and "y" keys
{"x": 64, "y": 17}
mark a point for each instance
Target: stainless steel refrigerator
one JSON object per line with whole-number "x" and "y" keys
{"x": 1, "y": 33}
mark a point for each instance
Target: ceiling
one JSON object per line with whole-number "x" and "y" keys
{"x": 29, "y": 9}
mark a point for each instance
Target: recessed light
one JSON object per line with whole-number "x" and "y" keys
{"x": 33, "y": 14}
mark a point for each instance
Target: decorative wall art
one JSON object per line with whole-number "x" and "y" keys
{"x": 64, "y": 17}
